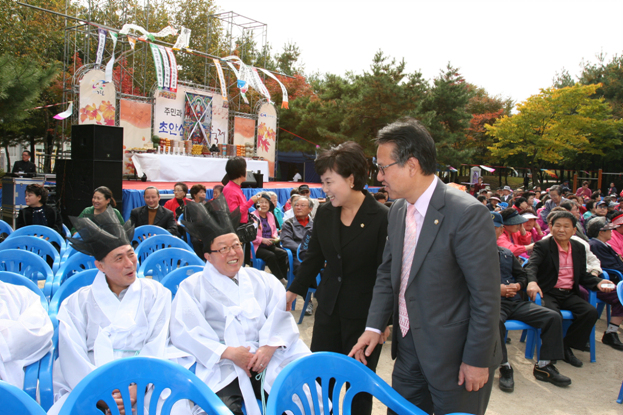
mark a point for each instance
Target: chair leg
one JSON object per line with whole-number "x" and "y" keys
{"x": 592, "y": 342}
{"x": 523, "y": 335}
{"x": 307, "y": 299}
{"x": 530, "y": 343}
{"x": 620, "y": 398}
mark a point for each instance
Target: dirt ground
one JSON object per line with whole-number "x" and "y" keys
{"x": 594, "y": 388}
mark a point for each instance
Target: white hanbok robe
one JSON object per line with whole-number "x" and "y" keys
{"x": 210, "y": 313}
{"x": 95, "y": 328}
{"x": 25, "y": 332}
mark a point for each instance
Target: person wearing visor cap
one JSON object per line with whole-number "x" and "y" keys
{"x": 513, "y": 227}
{"x": 600, "y": 231}
{"x": 531, "y": 226}
{"x": 493, "y": 204}
{"x": 617, "y": 235}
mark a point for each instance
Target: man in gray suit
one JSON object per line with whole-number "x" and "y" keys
{"x": 446, "y": 303}
{"x": 294, "y": 229}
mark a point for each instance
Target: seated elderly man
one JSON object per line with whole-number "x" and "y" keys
{"x": 295, "y": 229}
{"x": 25, "y": 332}
{"x": 152, "y": 213}
{"x": 118, "y": 316}
{"x": 601, "y": 232}
{"x": 231, "y": 318}
{"x": 289, "y": 214}
{"x": 556, "y": 269}
{"x": 513, "y": 307}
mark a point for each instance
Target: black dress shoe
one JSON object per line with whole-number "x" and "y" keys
{"x": 571, "y": 359}
{"x": 550, "y": 374}
{"x": 507, "y": 384}
{"x": 612, "y": 340}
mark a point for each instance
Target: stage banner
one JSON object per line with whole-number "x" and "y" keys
{"x": 197, "y": 118}
{"x": 267, "y": 135}
{"x": 221, "y": 78}
{"x": 166, "y": 65}
{"x": 169, "y": 114}
{"x": 157, "y": 64}
{"x": 100, "y": 46}
{"x": 173, "y": 63}
{"x": 244, "y": 131}
{"x": 97, "y": 99}
{"x": 135, "y": 118}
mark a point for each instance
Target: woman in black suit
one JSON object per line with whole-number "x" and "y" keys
{"x": 349, "y": 234}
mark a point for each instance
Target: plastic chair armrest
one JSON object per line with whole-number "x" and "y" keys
{"x": 31, "y": 372}
{"x": 46, "y": 383}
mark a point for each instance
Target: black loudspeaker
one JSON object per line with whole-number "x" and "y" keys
{"x": 250, "y": 181}
{"x": 77, "y": 179}
{"x": 96, "y": 142}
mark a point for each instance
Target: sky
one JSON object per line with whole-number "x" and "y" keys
{"x": 511, "y": 48}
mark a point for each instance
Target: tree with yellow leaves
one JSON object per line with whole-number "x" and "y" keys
{"x": 554, "y": 126}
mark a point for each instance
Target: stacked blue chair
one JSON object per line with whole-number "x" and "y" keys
{"x": 620, "y": 294}
{"x": 72, "y": 265}
{"x": 30, "y": 265}
{"x": 158, "y": 242}
{"x": 32, "y": 371}
{"x": 45, "y": 233}
{"x": 67, "y": 231}
{"x": 310, "y": 290}
{"x": 16, "y": 401}
{"x": 160, "y": 263}
{"x": 142, "y": 371}
{"x": 607, "y": 274}
{"x": 143, "y": 232}
{"x": 257, "y": 263}
{"x": 326, "y": 367}
{"x": 174, "y": 278}
{"x": 35, "y": 245}
{"x": 5, "y": 228}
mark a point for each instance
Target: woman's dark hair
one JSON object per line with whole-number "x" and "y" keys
{"x": 567, "y": 204}
{"x": 184, "y": 187}
{"x": 218, "y": 187}
{"x": 346, "y": 159}
{"x": 590, "y": 205}
{"x": 236, "y": 168}
{"x": 481, "y": 198}
{"x": 519, "y": 201}
{"x": 107, "y": 194}
{"x": 410, "y": 139}
{"x": 380, "y": 195}
{"x": 196, "y": 189}
{"x": 507, "y": 212}
{"x": 38, "y": 190}
{"x": 595, "y": 195}
{"x": 555, "y": 215}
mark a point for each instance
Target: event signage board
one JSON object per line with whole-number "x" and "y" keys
{"x": 267, "y": 135}
{"x": 135, "y": 118}
{"x": 97, "y": 99}
{"x": 169, "y": 110}
{"x": 244, "y": 131}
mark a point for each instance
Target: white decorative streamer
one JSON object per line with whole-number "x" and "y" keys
{"x": 111, "y": 62}
{"x": 284, "y": 91}
{"x": 221, "y": 77}
{"x": 183, "y": 40}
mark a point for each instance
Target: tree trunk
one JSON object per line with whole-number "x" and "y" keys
{"x": 8, "y": 159}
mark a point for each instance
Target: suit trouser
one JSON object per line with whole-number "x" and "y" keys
{"x": 584, "y": 315}
{"x": 336, "y": 333}
{"x": 549, "y": 321}
{"x": 409, "y": 380}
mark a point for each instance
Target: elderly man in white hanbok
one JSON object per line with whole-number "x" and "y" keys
{"x": 118, "y": 316}
{"x": 232, "y": 319}
{"x": 25, "y": 332}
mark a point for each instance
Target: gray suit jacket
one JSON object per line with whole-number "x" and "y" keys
{"x": 453, "y": 293}
{"x": 292, "y": 233}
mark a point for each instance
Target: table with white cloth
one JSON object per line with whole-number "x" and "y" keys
{"x": 169, "y": 168}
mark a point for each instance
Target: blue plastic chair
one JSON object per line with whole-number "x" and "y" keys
{"x": 162, "y": 262}
{"x": 503, "y": 205}
{"x": 310, "y": 290}
{"x": 326, "y": 366}
{"x": 158, "y": 242}
{"x": 31, "y": 371}
{"x": 46, "y": 389}
{"x": 290, "y": 267}
{"x": 257, "y": 263}
{"x": 601, "y": 304}
{"x": 67, "y": 231}
{"x": 620, "y": 294}
{"x": 533, "y": 335}
{"x": 143, "y": 232}
{"x": 143, "y": 371}
{"x": 30, "y": 265}
{"x": 35, "y": 245}
{"x": 174, "y": 278}
{"x": 16, "y": 401}
{"x": 5, "y": 228}
{"x": 72, "y": 265}
{"x": 42, "y": 232}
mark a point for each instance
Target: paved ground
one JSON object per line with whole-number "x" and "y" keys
{"x": 594, "y": 389}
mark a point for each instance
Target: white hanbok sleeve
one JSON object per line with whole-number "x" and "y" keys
{"x": 190, "y": 331}
{"x": 159, "y": 317}
{"x": 280, "y": 329}
{"x": 26, "y": 337}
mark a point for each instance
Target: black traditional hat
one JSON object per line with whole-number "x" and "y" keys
{"x": 211, "y": 220}
{"x": 101, "y": 234}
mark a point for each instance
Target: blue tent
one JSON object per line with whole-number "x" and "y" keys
{"x": 304, "y": 162}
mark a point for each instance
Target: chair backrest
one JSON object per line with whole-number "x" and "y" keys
{"x": 72, "y": 265}
{"x": 158, "y": 242}
{"x": 160, "y": 263}
{"x": 162, "y": 374}
{"x": 42, "y": 232}
{"x": 5, "y": 228}
{"x": 17, "y": 279}
{"x": 326, "y": 367}
{"x": 620, "y": 291}
{"x": 79, "y": 280}
{"x": 67, "y": 231}
{"x": 143, "y": 232}
{"x": 16, "y": 401}
{"x": 35, "y": 245}
{"x": 30, "y": 265}
{"x": 174, "y": 278}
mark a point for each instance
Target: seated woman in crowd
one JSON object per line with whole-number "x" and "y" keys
{"x": 178, "y": 203}
{"x": 217, "y": 191}
{"x": 267, "y": 237}
{"x": 37, "y": 212}
{"x": 102, "y": 197}
{"x": 198, "y": 193}
{"x": 277, "y": 211}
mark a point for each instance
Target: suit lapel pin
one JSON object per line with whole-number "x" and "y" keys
{"x": 436, "y": 222}
{"x": 362, "y": 225}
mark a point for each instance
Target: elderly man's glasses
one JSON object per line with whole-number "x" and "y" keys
{"x": 382, "y": 168}
{"x": 225, "y": 250}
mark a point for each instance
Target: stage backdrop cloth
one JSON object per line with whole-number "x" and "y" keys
{"x": 168, "y": 168}
{"x": 134, "y": 198}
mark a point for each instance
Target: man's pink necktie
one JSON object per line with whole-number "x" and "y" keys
{"x": 407, "y": 259}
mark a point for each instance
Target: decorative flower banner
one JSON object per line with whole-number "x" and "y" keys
{"x": 284, "y": 91}
{"x": 100, "y": 46}
{"x": 66, "y": 113}
{"x": 97, "y": 99}
{"x": 267, "y": 135}
{"x": 221, "y": 77}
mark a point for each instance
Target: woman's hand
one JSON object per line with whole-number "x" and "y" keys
{"x": 267, "y": 242}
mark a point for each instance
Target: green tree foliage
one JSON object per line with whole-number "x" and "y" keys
{"x": 554, "y": 125}
{"x": 610, "y": 77}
